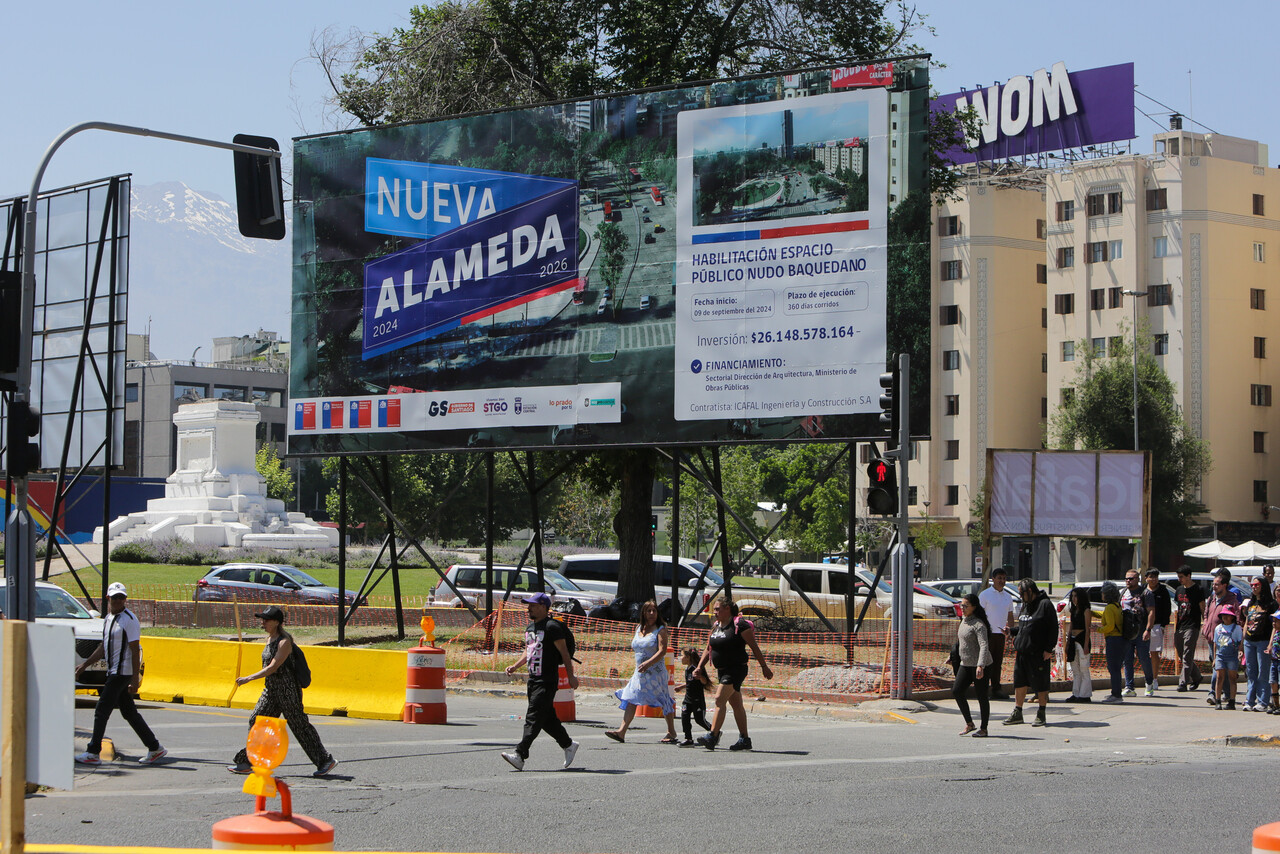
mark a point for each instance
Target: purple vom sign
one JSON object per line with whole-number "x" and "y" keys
{"x": 1047, "y": 111}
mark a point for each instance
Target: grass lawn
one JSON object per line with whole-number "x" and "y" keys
{"x": 751, "y": 581}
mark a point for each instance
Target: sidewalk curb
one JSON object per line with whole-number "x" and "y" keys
{"x": 1259, "y": 740}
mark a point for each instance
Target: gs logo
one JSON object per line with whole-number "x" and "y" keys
{"x": 438, "y": 408}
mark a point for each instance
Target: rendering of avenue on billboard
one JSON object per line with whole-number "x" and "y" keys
{"x": 683, "y": 266}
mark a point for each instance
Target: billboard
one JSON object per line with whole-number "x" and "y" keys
{"x": 1069, "y": 493}
{"x": 1048, "y": 110}
{"x": 682, "y": 266}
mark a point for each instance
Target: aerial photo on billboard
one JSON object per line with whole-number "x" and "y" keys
{"x": 681, "y": 266}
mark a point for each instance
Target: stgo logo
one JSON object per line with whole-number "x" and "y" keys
{"x": 495, "y": 406}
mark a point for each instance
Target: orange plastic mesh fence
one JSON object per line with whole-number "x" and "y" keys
{"x": 819, "y": 666}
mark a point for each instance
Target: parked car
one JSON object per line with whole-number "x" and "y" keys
{"x": 599, "y": 572}
{"x": 825, "y": 584}
{"x": 56, "y": 606}
{"x": 645, "y": 302}
{"x": 603, "y": 306}
{"x": 512, "y": 583}
{"x": 266, "y": 582}
{"x": 1169, "y": 579}
{"x": 926, "y": 603}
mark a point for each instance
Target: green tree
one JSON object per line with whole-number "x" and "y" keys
{"x": 926, "y": 536}
{"x": 1097, "y": 414}
{"x": 817, "y": 502}
{"x": 613, "y": 247}
{"x": 582, "y": 515}
{"x": 277, "y": 479}
{"x": 740, "y": 486}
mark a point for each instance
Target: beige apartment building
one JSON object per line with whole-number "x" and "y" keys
{"x": 1031, "y": 271}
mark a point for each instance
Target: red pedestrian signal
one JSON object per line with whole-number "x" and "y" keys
{"x": 882, "y": 496}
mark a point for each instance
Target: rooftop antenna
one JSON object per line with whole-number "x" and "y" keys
{"x": 1191, "y": 101}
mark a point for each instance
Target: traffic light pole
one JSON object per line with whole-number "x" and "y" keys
{"x": 903, "y": 577}
{"x": 19, "y": 562}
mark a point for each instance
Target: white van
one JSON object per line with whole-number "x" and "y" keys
{"x": 600, "y": 572}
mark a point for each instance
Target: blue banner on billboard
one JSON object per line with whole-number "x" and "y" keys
{"x": 474, "y": 270}
{"x": 427, "y": 199}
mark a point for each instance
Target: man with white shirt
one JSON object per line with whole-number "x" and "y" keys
{"x": 121, "y": 646}
{"x": 998, "y": 603}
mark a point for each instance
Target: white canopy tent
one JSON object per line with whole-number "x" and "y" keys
{"x": 1251, "y": 550}
{"x": 1211, "y": 549}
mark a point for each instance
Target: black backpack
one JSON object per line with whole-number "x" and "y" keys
{"x": 570, "y": 643}
{"x": 301, "y": 672}
{"x": 1164, "y": 605}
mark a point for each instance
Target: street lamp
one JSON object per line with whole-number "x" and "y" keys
{"x": 1135, "y": 295}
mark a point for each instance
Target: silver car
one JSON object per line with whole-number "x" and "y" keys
{"x": 58, "y": 607}
{"x": 512, "y": 584}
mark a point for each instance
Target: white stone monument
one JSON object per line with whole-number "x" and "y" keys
{"x": 216, "y": 497}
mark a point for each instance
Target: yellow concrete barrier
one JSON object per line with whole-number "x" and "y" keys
{"x": 360, "y": 683}
{"x": 197, "y": 672}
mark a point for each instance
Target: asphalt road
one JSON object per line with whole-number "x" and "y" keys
{"x": 1134, "y": 778}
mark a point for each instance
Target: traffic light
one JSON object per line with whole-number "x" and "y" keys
{"x": 259, "y": 189}
{"x": 653, "y": 522}
{"x": 10, "y": 328}
{"x": 889, "y": 381}
{"x": 23, "y": 424}
{"x": 882, "y": 496}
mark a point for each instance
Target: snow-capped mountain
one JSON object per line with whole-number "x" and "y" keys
{"x": 195, "y": 277}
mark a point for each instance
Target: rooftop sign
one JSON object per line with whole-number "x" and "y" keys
{"x": 1049, "y": 110}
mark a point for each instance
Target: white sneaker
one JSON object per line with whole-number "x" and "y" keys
{"x": 88, "y": 758}
{"x": 153, "y": 756}
{"x": 1129, "y": 692}
{"x": 515, "y": 760}
{"x": 570, "y": 752}
{"x": 1248, "y": 707}
{"x": 1150, "y": 692}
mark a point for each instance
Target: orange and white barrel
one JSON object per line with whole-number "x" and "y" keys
{"x": 1266, "y": 839}
{"x": 424, "y": 697}
{"x": 273, "y": 831}
{"x": 654, "y": 711}
{"x": 566, "y": 708}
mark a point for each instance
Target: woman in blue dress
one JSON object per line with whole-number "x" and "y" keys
{"x": 649, "y": 684}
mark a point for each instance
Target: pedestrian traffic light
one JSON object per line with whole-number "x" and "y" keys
{"x": 882, "y": 496}
{"x": 889, "y": 381}
{"x": 259, "y": 189}
{"x": 24, "y": 424}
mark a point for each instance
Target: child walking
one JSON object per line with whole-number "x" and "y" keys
{"x": 694, "y": 707}
{"x": 1227, "y": 640}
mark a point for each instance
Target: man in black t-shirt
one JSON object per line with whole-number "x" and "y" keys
{"x": 545, "y": 650}
{"x": 1190, "y": 598}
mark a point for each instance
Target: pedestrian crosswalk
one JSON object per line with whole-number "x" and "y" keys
{"x": 599, "y": 337}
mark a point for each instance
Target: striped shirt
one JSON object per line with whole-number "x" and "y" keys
{"x": 118, "y": 631}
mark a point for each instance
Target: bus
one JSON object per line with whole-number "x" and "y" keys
{"x": 579, "y": 291}
{"x": 657, "y": 195}
{"x": 635, "y": 174}
{"x": 608, "y": 211}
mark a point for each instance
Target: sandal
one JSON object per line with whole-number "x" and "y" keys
{"x": 616, "y": 736}
{"x": 671, "y": 739}
{"x": 968, "y": 729}
{"x": 982, "y": 733}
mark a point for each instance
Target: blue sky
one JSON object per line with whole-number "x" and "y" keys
{"x": 215, "y": 70}
{"x": 810, "y": 124}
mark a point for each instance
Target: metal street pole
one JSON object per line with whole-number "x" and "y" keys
{"x": 902, "y": 560}
{"x": 1137, "y": 556}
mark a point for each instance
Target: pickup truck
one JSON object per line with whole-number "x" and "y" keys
{"x": 826, "y": 583}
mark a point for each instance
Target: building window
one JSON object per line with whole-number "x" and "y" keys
{"x": 1116, "y": 344}
{"x": 950, "y": 270}
{"x": 911, "y": 495}
{"x": 1068, "y": 396}
{"x": 1066, "y": 211}
{"x": 1158, "y": 200}
{"x": 1259, "y": 442}
{"x": 1115, "y": 297}
{"x": 1064, "y": 304}
{"x": 1259, "y": 348}
{"x": 1115, "y": 250}
{"x": 1044, "y": 318}
{"x": 1259, "y": 395}
{"x": 1044, "y": 407}
{"x": 1260, "y": 491}
{"x": 1115, "y": 203}
{"x": 1042, "y": 274}
{"x": 950, "y": 360}
{"x": 953, "y": 495}
{"x": 1258, "y": 299}
{"x": 953, "y": 404}
{"x": 130, "y": 392}
{"x": 1099, "y": 347}
{"x": 228, "y": 392}
{"x": 1260, "y": 252}
{"x": 189, "y": 393}
{"x": 1160, "y": 295}
{"x": 1259, "y": 208}
{"x": 1161, "y": 344}
{"x": 1097, "y": 299}
{"x": 948, "y": 225}
{"x": 1042, "y": 229}
{"x": 264, "y": 397}
{"x": 1066, "y": 257}
{"x": 950, "y": 315}
{"x": 1159, "y": 247}
{"x": 1068, "y": 351}
{"x": 1095, "y": 205}
{"x": 953, "y": 449}
{"x": 1044, "y": 363}
{"x": 1095, "y": 252}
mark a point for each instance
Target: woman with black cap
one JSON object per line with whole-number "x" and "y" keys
{"x": 282, "y": 696}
